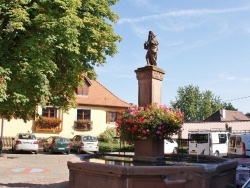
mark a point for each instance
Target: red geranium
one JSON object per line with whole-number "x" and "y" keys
{"x": 155, "y": 121}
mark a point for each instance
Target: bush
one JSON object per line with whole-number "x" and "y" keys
{"x": 114, "y": 147}
{"x": 108, "y": 136}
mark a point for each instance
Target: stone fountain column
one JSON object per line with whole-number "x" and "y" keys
{"x": 149, "y": 92}
{"x": 149, "y": 85}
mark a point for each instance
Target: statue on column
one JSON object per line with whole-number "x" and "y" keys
{"x": 152, "y": 47}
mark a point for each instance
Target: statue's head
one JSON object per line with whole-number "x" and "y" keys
{"x": 151, "y": 33}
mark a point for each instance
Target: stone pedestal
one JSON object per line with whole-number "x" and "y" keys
{"x": 148, "y": 150}
{"x": 149, "y": 83}
{"x": 96, "y": 175}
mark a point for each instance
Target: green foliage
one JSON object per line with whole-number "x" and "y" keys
{"x": 45, "y": 46}
{"x": 197, "y": 105}
{"x": 115, "y": 147}
{"x": 108, "y": 136}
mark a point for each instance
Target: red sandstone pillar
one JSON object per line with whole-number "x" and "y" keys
{"x": 149, "y": 85}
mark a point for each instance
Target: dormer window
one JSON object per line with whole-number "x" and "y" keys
{"x": 84, "y": 89}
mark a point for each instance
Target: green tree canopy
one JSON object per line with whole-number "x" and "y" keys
{"x": 197, "y": 105}
{"x": 46, "y": 46}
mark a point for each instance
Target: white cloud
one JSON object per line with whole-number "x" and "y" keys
{"x": 182, "y": 13}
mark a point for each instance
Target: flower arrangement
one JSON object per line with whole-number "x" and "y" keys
{"x": 155, "y": 121}
{"x": 49, "y": 122}
{"x": 82, "y": 124}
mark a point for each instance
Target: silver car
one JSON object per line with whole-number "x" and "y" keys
{"x": 26, "y": 142}
{"x": 85, "y": 143}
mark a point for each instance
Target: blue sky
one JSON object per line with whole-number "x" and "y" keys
{"x": 201, "y": 43}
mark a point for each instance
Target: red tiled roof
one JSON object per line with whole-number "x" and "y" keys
{"x": 100, "y": 96}
{"x": 227, "y": 115}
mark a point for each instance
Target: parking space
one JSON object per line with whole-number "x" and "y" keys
{"x": 35, "y": 170}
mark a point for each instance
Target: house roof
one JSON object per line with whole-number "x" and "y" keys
{"x": 227, "y": 115}
{"x": 99, "y": 95}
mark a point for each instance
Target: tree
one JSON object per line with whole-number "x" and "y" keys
{"x": 197, "y": 105}
{"x": 46, "y": 46}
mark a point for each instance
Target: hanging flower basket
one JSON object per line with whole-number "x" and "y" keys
{"x": 154, "y": 121}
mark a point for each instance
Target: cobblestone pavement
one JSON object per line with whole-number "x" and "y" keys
{"x": 26, "y": 170}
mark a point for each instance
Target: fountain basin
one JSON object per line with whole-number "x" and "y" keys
{"x": 174, "y": 171}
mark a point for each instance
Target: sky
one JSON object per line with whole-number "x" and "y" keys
{"x": 204, "y": 43}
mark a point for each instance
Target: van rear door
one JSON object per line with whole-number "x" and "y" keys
{"x": 199, "y": 143}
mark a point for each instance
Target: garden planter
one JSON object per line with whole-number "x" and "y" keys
{"x": 148, "y": 149}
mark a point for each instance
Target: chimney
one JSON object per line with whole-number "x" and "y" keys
{"x": 223, "y": 113}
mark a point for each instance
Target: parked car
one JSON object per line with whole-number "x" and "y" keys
{"x": 26, "y": 142}
{"x": 1, "y": 145}
{"x": 208, "y": 142}
{"x": 85, "y": 143}
{"x": 239, "y": 145}
{"x": 170, "y": 146}
{"x": 56, "y": 144}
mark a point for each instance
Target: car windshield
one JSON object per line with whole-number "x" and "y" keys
{"x": 27, "y": 136}
{"x": 89, "y": 139}
{"x": 61, "y": 140}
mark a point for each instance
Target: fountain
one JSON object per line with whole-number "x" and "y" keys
{"x": 149, "y": 167}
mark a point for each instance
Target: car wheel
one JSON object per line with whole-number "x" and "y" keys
{"x": 50, "y": 151}
{"x": 216, "y": 154}
{"x": 36, "y": 152}
{"x": 175, "y": 150}
{"x": 68, "y": 152}
{"x": 78, "y": 150}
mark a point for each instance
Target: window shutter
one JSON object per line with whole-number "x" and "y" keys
{"x": 107, "y": 117}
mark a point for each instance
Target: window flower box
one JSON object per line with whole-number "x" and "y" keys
{"x": 47, "y": 124}
{"x": 83, "y": 125}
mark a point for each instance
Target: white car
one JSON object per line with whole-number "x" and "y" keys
{"x": 85, "y": 143}
{"x": 26, "y": 142}
{"x": 170, "y": 146}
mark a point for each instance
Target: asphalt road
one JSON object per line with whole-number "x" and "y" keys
{"x": 35, "y": 170}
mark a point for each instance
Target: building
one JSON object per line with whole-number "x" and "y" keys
{"x": 96, "y": 110}
{"x": 219, "y": 120}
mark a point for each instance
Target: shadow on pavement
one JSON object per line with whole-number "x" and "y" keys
{"x": 31, "y": 185}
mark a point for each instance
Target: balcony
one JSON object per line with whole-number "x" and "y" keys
{"x": 83, "y": 125}
{"x": 48, "y": 125}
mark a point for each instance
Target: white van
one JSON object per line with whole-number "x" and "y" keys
{"x": 208, "y": 142}
{"x": 239, "y": 144}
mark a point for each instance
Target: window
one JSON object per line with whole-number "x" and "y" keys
{"x": 83, "y": 114}
{"x": 111, "y": 117}
{"x": 222, "y": 138}
{"x": 199, "y": 138}
{"x": 84, "y": 90}
{"x": 232, "y": 141}
{"x": 49, "y": 112}
{"x": 238, "y": 142}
